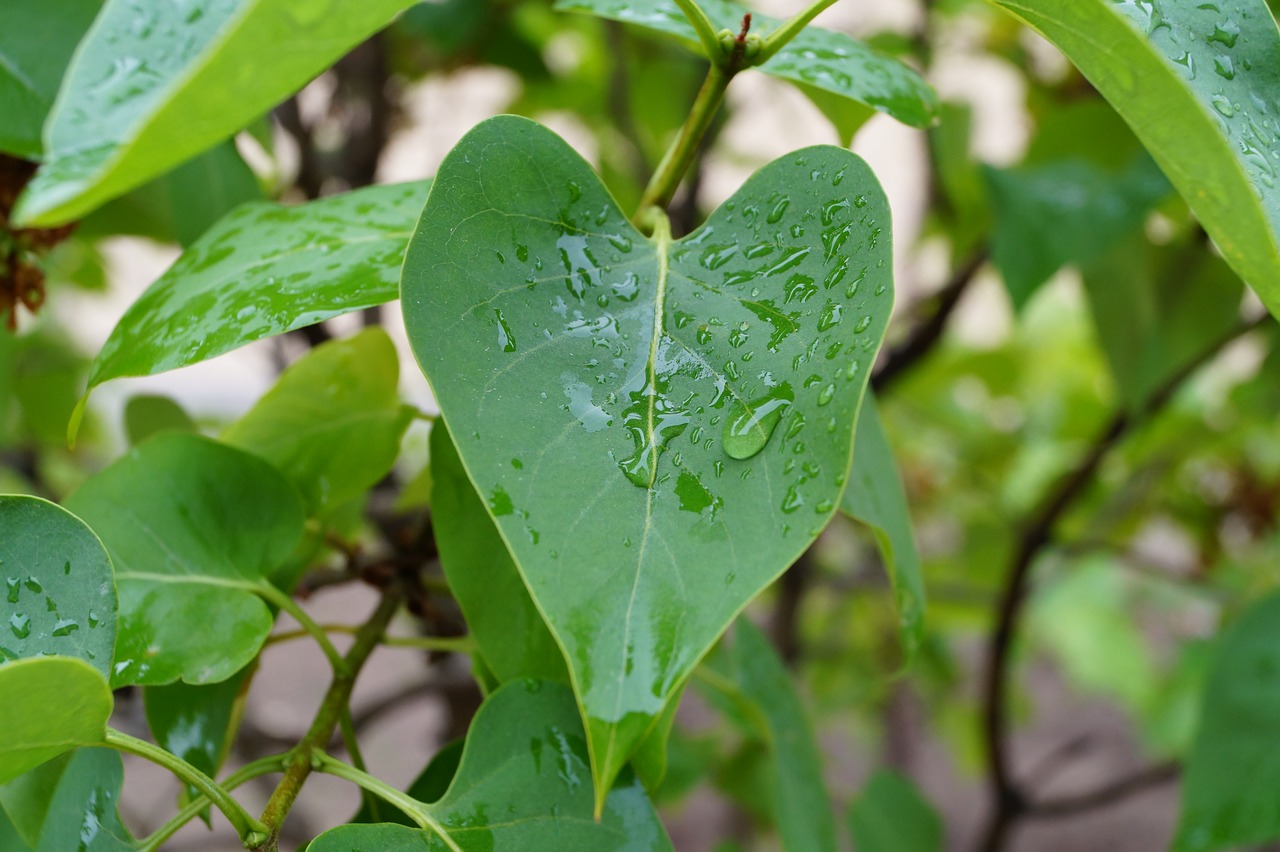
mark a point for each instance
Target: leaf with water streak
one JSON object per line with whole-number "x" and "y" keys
{"x": 154, "y": 84}
{"x": 1199, "y": 83}
{"x": 658, "y": 426}
{"x": 70, "y": 803}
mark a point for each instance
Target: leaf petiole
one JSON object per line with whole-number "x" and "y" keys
{"x": 703, "y": 27}
{"x": 788, "y": 30}
{"x": 286, "y": 603}
{"x": 258, "y": 768}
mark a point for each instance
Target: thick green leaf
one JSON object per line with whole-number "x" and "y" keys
{"x": 875, "y": 497}
{"x": 890, "y": 815}
{"x": 800, "y": 807}
{"x": 828, "y": 61}
{"x": 333, "y": 422}
{"x": 197, "y": 723}
{"x": 51, "y": 705}
{"x": 192, "y": 526}
{"x": 615, "y": 399}
{"x": 523, "y": 783}
{"x": 66, "y": 804}
{"x": 263, "y": 270}
{"x": 59, "y": 595}
{"x": 1232, "y": 774}
{"x": 36, "y": 41}
{"x": 145, "y": 416}
{"x": 513, "y": 638}
{"x": 1199, "y": 83}
{"x": 152, "y": 85}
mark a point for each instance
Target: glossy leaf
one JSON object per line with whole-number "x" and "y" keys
{"x": 748, "y": 665}
{"x": 333, "y": 421}
{"x": 875, "y": 497}
{"x": 36, "y": 41}
{"x": 1199, "y": 83}
{"x": 523, "y": 783}
{"x": 145, "y": 416}
{"x": 197, "y": 723}
{"x": 51, "y": 705}
{"x": 59, "y": 595}
{"x": 192, "y": 526}
{"x": 508, "y": 628}
{"x": 659, "y": 427}
{"x": 890, "y": 815}
{"x": 152, "y": 85}
{"x": 70, "y": 803}
{"x": 1233, "y": 770}
{"x": 430, "y": 786}
{"x": 263, "y": 270}
{"x": 824, "y": 60}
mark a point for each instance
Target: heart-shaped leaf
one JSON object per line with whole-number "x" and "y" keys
{"x": 154, "y": 84}
{"x": 1199, "y": 83}
{"x": 333, "y": 421}
{"x": 262, "y": 270}
{"x": 51, "y": 705}
{"x": 193, "y": 527}
{"x": 875, "y": 497}
{"x": 830, "y": 62}
{"x": 658, "y": 426}
{"x": 59, "y": 594}
{"x": 523, "y": 783}
{"x": 69, "y": 803}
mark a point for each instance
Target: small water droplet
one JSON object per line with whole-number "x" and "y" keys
{"x": 65, "y": 627}
{"x": 500, "y": 502}
{"x": 1223, "y": 105}
{"x": 830, "y": 316}
{"x": 749, "y": 426}
{"x": 20, "y": 624}
{"x": 863, "y": 324}
{"x": 15, "y": 588}
{"x": 34, "y": 585}
{"x": 792, "y": 500}
{"x": 506, "y": 339}
{"x": 522, "y": 253}
{"x": 826, "y": 395}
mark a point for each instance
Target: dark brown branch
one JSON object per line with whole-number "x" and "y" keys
{"x": 921, "y": 339}
{"x": 1106, "y": 795}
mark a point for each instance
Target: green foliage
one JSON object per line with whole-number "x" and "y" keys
{"x": 890, "y": 815}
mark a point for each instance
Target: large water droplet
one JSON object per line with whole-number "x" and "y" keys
{"x": 750, "y": 425}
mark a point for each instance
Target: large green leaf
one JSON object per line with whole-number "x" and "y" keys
{"x": 263, "y": 270}
{"x": 659, "y": 427}
{"x": 66, "y": 804}
{"x": 890, "y": 815}
{"x": 513, "y": 639}
{"x": 193, "y": 527}
{"x": 1233, "y": 771}
{"x": 1200, "y": 85}
{"x": 51, "y": 705}
{"x": 59, "y": 594}
{"x": 153, "y": 85}
{"x": 817, "y": 59}
{"x": 523, "y": 783}
{"x": 749, "y": 669}
{"x": 36, "y": 41}
{"x": 334, "y": 420}
{"x": 875, "y": 497}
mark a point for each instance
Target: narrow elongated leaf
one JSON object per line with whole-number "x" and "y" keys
{"x": 824, "y": 60}
{"x": 51, "y": 705}
{"x": 154, "y": 84}
{"x": 70, "y": 803}
{"x": 658, "y": 426}
{"x": 1233, "y": 771}
{"x": 890, "y": 815}
{"x": 523, "y": 783}
{"x": 192, "y": 526}
{"x": 263, "y": 270}
{"x": 1199, "y": 83}
{"x": 749, "y": 665}
{"x": 36, "y": 41}
{"x": 512, "y": 636}
{"x": 875, "y": 497}
{"x": 334, "y": 420}
{"x": 59, "y": 595}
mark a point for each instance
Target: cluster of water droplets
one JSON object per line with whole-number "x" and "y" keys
{"x": 33, "y": 609}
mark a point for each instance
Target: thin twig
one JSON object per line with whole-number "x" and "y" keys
{"x": 1106, "y": 795}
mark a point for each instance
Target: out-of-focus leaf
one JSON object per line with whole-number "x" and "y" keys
{"x": 51, "y": 705}
{"x": 68, "y": 804}
{"x": 890, "y": 815}
{"x": 334, "y": 420}
{"x": 145, "y": 416}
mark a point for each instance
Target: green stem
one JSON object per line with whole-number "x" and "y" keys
{"x": 352, "y": 743}
{"x": 703, "y": 27}
{"x": 448, "y": 644}
{"x": 298, "y": 763}
{"x": 262, "y": 766}
{"x": 250, "y": 830}
{"x": 412, "y": 808}
{"x": 682, "y": 153}
{"x": 788, "y": 30}
{"x": 286, "y": 603}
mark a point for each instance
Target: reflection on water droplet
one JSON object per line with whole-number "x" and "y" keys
{"x": 750, "y": 425}
{"x": 506, "y": 339}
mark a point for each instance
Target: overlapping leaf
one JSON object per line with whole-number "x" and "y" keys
{"x": 659, "y": 427}
{"x": 831, "y": 63}
{"x": 154, "y": 84}
{"x": 51, "y": 705}
{"x": 523, "y": 783}
{"x": 1199, "y": 83}
{"x": 193, "y": 527}
{"x": 71, "y": 803}
{"x": 890, "y": 815}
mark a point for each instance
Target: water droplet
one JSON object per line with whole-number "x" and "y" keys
{"x": 502, "y": 258}
{"x": 778, "y": 211}
{"x": 500, "y": 502}
{"x": 863, "y": 324}
{"x": 620, "y": 242}
{"x": 831, "y": 208}
{"x": 20, "y": 624}
{"x": 830, "y": 316}
{"x": 1225, "y": 67}
{"x": 15, "y": 588}
{"x": 94, "y": 621}
{"x": 792, "y": 500}
{"x": 65, "y": 627}
{"x": 826, "y": 395}
{"x": 575, "y": 191}
{"x": 1225, "y": 34}
{"x": 1223, "y": 105}
{"x": 66, "y": 568}
{"x": 517, "y": 464}
{"x": 522, "y": 253}
{"x": 750, "y": 425}
{"x": 506, "y": 339}
{"x": 34, "y": 585}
